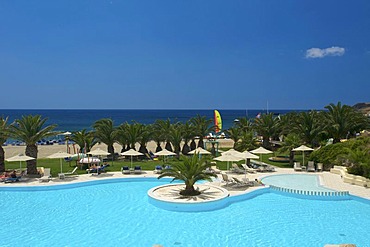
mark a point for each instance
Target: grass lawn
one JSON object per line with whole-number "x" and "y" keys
{"x": 147, "y": 165}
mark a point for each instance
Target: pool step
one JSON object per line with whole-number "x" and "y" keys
{"x": 325, "y": 195}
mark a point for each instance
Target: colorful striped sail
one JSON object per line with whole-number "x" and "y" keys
{"x": 218, "y": 122}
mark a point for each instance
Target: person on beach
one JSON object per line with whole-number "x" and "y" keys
{"x": 14, "y": 174}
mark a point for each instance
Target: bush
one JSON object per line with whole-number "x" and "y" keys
{"x": 353, "y": 153}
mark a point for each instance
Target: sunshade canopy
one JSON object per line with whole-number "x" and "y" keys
{"x": 98, "y": 151}
{"x": 164, "y": 152}
{"x": 131, "y": 152}
{"x": 248, "y": 155}
{"x": 303, "y": 148}
{"x": 199, "y": 150}
{"x": 261, "y": 150}
{"x": 20, "y": 157}
{"x": 59, "y": 155}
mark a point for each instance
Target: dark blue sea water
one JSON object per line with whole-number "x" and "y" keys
{"x": 75, "y": 120}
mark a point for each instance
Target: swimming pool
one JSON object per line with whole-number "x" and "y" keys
{"x": 118, "y": 213}
{"x": 295, "y": 181}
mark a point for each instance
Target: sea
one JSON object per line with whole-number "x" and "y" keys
{"x": 76, "y": 120}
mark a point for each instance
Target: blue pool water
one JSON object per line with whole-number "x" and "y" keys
{"x": 295, "y": 181}
{"x": 118, "y": 214}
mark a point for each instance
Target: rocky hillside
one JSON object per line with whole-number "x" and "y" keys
{"x": 363, "y": 107}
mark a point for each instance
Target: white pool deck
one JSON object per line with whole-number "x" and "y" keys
{"x": 327, "y": 179}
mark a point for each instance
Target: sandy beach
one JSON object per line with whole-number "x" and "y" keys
{"x": 46, "y": 150}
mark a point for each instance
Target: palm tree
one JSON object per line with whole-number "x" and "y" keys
{"x": 341, "y": 121}
{"x": 4, "y": 134}
{"x": 188, "y": 134}
{"x": 247, "y": 141}
{"x": 163, "y": 127}
{"x": 266, "y": 126}
{"x": 157, "y": 137}
{"x": 144, "y": 138}
{"x": 309, "y": 127}
{"x": 191, "y": 170}
{"x": 105, "y": 132}
{"x": 30, "y": 129}
{"x": 84, "y": 139}
{"x": 291, "y": 141}
{"x": 244, "y": 124}
{"x": 202, "y": 127}
{"x": 234, "y": 133}
{"x": 130, "y": 132}
{"x": 175, "y": 136}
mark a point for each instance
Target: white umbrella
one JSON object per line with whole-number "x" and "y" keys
{"x": 303, "y": 148}
{"x": 98, "y": 151}
{"x": 131, "y": 153}
{"x": 199, "y": 150}
{"x": 164, "y": 153}
{"x": 260, "y": 151}
{"x": 60, "y": 155}
{"x": 247, "y": 156}
{"x": 233, "y": 152}
{"x": 20, "y": 158}
{"x": 228, "y": 157}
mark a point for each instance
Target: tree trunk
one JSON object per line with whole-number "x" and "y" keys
{"x": 291, "y": 158}
{"x": 111, "y": 151}
{"x": 201, "y": 143}
{"x": 31, "y": 150}
{"x": 189, "y": 191}
{"x": 213, "y": 149}
{"x": 193, "y": 145}
{"x": 158, "y": 148}
{"x": 2, "y": 159}
{"x": 168, "y": 146}
{"x": 143, "y": 149}
{"x": 185, "y": 149}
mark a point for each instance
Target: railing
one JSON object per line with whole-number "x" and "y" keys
{"x": 314, "y": 194}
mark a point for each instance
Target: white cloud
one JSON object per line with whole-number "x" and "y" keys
{"x": 319, "y": 53}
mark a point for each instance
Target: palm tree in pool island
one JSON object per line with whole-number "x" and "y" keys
{"x": 191, "y": 170}
{"x": 30, "y": 129}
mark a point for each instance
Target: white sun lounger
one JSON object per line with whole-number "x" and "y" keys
{"x": 46, "y": 177}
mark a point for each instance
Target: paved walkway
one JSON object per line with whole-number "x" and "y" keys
{"x": 327, "y": 179}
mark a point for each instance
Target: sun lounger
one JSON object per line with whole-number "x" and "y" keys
{"x": 97, "y": 170}
{"x": 311, "y": 166}
{"x": 158, "y": 170}
{"x": 319, "y": 167}
{"x": 235, "y": 168}
{"x": 297, "y": 166}
{"x": 226, "y": 179}
{"x": 215, "y": 169}
{"x": 137, "y": 170}
{"x": 249, "y": 169}
{"x": 241, "y": 183}
{"x": 13, "y": 179}
{"x": 125, "y": 170}
{"x": 46, "y": 177}
{"x": 71, "y": 173}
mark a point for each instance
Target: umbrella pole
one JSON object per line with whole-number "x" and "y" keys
{"x": 61, "y": 165}
{"x": 131, "y": 162}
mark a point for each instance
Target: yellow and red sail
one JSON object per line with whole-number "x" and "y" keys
{"x": 218, "y": 121}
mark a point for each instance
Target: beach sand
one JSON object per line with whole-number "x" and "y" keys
{"x": 46, "y": 150}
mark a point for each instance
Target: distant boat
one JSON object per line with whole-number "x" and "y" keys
{"x": 218, "y": 121}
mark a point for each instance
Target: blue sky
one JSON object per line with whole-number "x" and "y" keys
{"x": 170, "y": 54}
